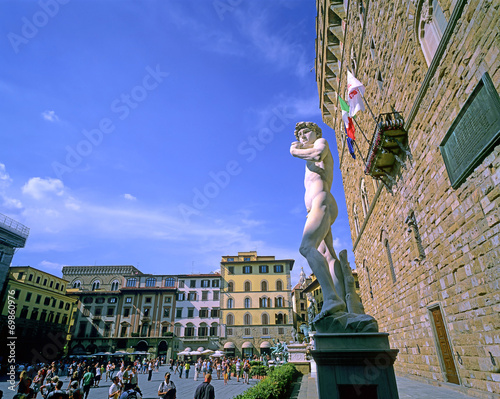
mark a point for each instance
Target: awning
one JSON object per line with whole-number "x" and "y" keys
{"x": 246, "y": 345}
{"x": 229, "y": 345}
{"x": 265, "y": 344}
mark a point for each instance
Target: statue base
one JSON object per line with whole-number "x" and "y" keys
{"x": 354, "y": 366}
{"x": 346, "y": 323}
{"x": 297, "y": 356}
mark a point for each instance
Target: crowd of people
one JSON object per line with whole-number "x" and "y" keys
{"x": 45, "y": 380}
{"x": 84, "y": 375}
{"x": 220, "y": 367}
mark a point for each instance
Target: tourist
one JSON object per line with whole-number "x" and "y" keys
{"x": 246, "y": 372}
{"x": 197, "y": 370}
{"x": 238, "y": 369}
{"x": 205, "y": 390}
{"x": 218, "y": 368}
{"x": 58, "y": 393}
{"x": 181, "y": 366}
{"x": 88, "y": 377}
{"x": 167, "y": 389}
{"x": 37, "y": 382}
{"x": 187, "y": 367}
{"x": 150, "y": 370}
{"x": 225, "y": 371}
{"x": 97, "y": 377}
{"x": 114, "y": 389}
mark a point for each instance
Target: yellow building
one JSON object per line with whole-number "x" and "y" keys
{"x": 256, "y": 303}
{"x": 42, "y": 313}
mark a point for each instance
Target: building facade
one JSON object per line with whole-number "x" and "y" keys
{"x": 256, "y": 303}
{"x": 42, "y": 312}
{"x": 197, "y": 312}
{"x": 122, "y": 309}
{"x": 423, "y": 192}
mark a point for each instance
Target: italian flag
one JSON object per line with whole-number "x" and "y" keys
{"x": 349, "y": 124}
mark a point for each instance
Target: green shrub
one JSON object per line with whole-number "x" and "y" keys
{"x": 277, "y": 385}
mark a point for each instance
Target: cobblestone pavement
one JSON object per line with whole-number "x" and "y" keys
{"x": 304, "y": 388}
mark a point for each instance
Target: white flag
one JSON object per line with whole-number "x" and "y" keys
{"x": 355, "y": 90}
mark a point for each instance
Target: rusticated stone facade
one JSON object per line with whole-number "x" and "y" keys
{"x": 428, "y": 256}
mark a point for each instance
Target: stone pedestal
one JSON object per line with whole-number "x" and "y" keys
{"x": 297, "y": 356}
{"x": 355, "y": 365}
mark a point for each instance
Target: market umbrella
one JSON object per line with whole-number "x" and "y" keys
{"x": 207, "y": 352}
{"x": 194, "y": 353}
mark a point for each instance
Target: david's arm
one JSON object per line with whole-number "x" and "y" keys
{"x": 315, "y": 153}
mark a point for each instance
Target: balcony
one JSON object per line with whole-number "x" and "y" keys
{"x": 388, "y": 149}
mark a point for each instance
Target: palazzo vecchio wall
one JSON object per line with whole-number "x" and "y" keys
{"x": 428, "y": 255}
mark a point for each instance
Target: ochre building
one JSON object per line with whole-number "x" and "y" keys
{"x": 256, "y": 303}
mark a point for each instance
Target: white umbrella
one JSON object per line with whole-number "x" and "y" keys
{"x": 217, "y": 355}
{"x": 207, "y": 352}
{"x": 193, "y": 353}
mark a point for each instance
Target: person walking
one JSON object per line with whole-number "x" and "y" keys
{"x": 150, "y": 370}
{"x": 167, "y": 389}
{"x": 88, "y": 378}
{"x": 246, "y": 371}
{"x": 187, "y": 367}
{"x": 238, "y": 369}
{"x": 114, "y": 389}
{"x": 181, "y": 367}
{"x": 197, "y": 370}
{"x": 205, "y": 390}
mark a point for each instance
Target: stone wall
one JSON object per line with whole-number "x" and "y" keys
{"x": 459, "y": 228}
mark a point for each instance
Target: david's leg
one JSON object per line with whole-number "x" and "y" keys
{"x": 316, "y": 229}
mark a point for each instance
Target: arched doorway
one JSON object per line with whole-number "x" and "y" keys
{"x": 142, "y": 346}
{"x": 162, "y": 348}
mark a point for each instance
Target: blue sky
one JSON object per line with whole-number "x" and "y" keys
{"x": 157, "y": 133}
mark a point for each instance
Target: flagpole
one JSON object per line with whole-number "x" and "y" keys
{"x": 361, "y": 155}
{"x": 369, "y": 109}
{"x": 363, "y": 133}
{"x": 343, "y": 149}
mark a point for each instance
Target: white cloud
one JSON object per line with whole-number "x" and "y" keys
{"x": 37, "y": 187}
{"x": 5, "y": 179}
{"x": 11, "y": 203}
{"x": 129, "y": 197}
{"x": 45, "y": 264}
{"x": 50, "y": 116}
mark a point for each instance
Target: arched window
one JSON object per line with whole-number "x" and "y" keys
{"x": 248, "y": 303}
{"x": 431, "y": 25}
{"x": 114, "y": 285}
{"x": 356, "y": 219}
{"x": 247, "y": 319}
{"x": 214, "y": 330}
{"x": 77, "y": 284}
{"x": 230, "y": 286}
{"x": 230, "y": 303}
{"x": 95, "y": 285}
{"x": 131, "y": 282}
{"x": 263, "y": 286}
{"x": 280, "y": 319}
{"x": 230, "y": 319}
{"x": 278, "y": 302}
{"x": 279, "y": 285}
{"x": 170, "y": 282}
{"x": 265, "y": 319}
{"x": 385, "y": 241}
{"x": 364, "y": 197}
{"x": 150, "y": 282}
{"x": 264, "y": 302}
{"x": 247, "y": 286}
